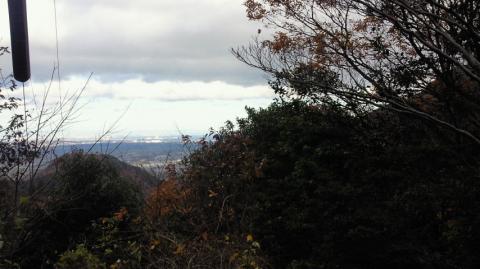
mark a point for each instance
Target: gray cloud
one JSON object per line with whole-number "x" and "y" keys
{"x": 181, "y": 40}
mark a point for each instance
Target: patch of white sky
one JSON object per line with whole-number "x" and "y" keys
{"x": 166, "y": 64}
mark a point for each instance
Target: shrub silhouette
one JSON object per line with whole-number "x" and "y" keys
{"x": 321, "y": 188}
{"x": 82, "y": 189}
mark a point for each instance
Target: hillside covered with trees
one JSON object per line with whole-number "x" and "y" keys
{"x": 368, "y": 158}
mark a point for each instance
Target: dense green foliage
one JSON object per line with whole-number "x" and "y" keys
{"x": 337, "y": 191}
{"x": 81, "y": 188}
{"x": 79, "y": 258}
{"x": 323, "y": 189}
{"x": 295, "y": 185}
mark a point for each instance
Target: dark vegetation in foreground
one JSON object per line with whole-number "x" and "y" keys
{"x": 368, "y": 159}
{"x": 295, "y": 185}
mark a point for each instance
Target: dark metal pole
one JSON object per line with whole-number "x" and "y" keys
{"x": 19, "y": 35}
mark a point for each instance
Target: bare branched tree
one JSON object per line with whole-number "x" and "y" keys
{"x": 31, "y": 128}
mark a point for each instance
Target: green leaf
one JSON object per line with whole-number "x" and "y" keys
{"x": 24, "y": 200}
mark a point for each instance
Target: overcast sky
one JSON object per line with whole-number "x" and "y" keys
{"x": 168, "y": 61}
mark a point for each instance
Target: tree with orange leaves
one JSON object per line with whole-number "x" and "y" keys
{"x": 365, "y": 54}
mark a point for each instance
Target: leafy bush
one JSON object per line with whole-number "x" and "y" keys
{"x": 296, "y": 185}
{"x": 80, "y": 258}
{"x": 118, "y": 240}
{"x": 79, "y": 189}
{"x": 321, "y": 188}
